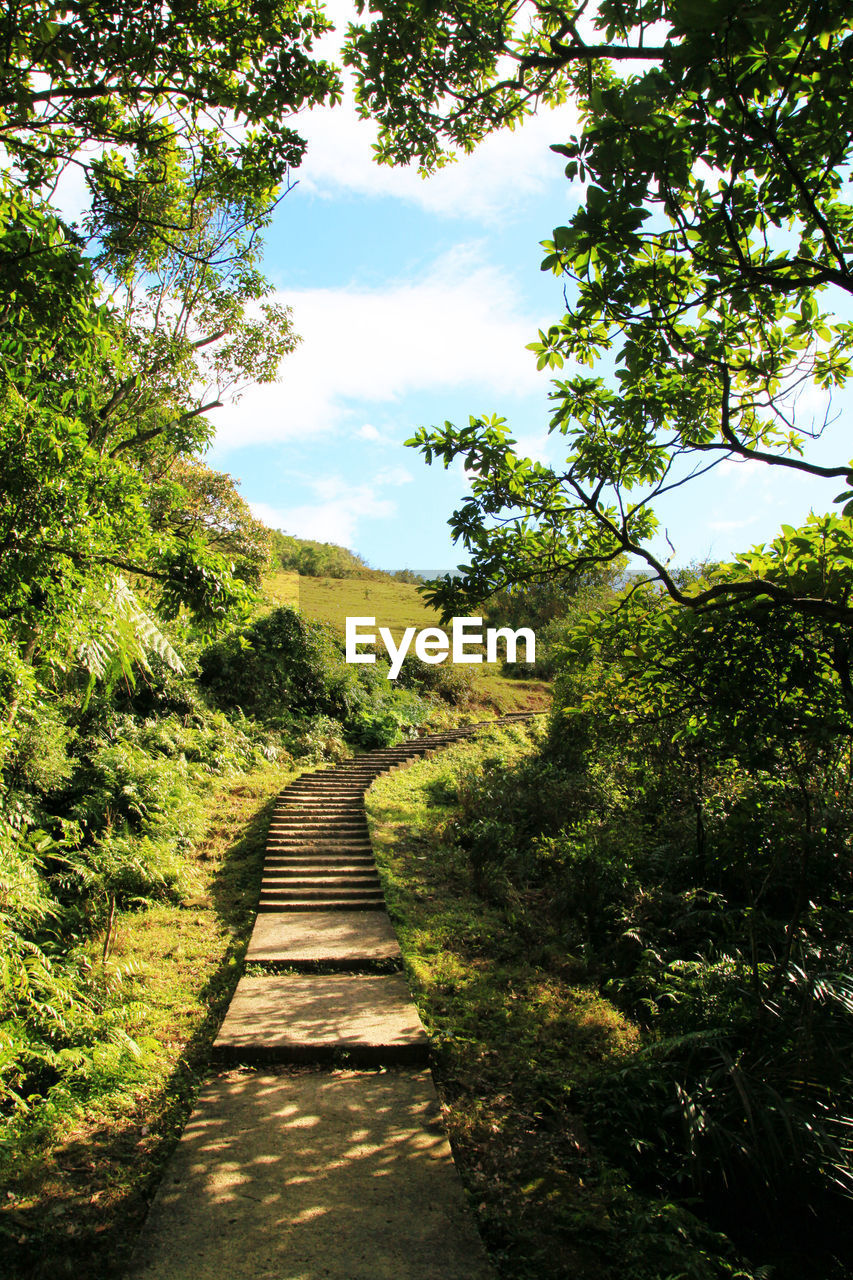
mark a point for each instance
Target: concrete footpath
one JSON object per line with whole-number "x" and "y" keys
{"x": 317, "y": 1152}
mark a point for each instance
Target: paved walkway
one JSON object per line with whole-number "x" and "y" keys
{"x": 299, "y": 1170}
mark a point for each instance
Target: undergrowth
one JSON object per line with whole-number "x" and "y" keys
{"x": 77, "y": 1165}
{"x": 520, "y": 1030}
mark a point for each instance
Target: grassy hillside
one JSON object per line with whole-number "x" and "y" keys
{"x": 282, "y": 587}
{"x": 395, "y": 605}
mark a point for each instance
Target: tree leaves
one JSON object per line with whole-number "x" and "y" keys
{"x": 713, "y": 240}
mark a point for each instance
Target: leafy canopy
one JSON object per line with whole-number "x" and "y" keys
{"x": 120, "y": 332}
{"x": 707, "y": 268}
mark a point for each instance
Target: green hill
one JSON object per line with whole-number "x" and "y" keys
{"x": 395, "y": 605}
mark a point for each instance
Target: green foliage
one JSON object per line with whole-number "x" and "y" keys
{"x": 194, "y": 500}
{"x": 707, "y": 266}
{"x": 318, "y": 559}
{"x": 517, "y": 1037}
{"x": 388, "y": 720}
{"x": 180, "y": 69}
{"x": 282, "y": 662}
{"x": 550, "y": 608}
{"x": 449, "y": 683}
{"x": 98, "y": 811}
{"x": 120, "y": 333}
{"x": 62, "y": 1018}
{"x": 284, "y": 665}
{"x": 687, "y": 832}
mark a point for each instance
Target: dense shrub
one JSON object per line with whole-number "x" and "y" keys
{"x": 98, "y": 808}
{"x": 382, "y": 722}
{"x": 687, "y": 829}
{"x": 284, "y": 665}
{"x": 63, "y": 1017}
{"x": 454, "y": 685}
{"x": 282, "y": 662}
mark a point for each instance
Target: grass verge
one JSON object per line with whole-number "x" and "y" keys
{"x": 516, "y": 1031}
{"x": 75, "y": 1191}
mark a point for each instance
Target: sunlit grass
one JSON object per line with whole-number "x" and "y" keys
{"x": 76, "y": 1190}
{"x": 514, "y": 1033}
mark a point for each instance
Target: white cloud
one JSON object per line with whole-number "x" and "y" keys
{"x": 462, "y": 324}
{"x": 394, "y": 476}
{"x": 498, "y": 177}
{"x": 505, "y": 171}
{"x": 369, "y": 432}
{"x": 340, "y": 508}
{"x": 538, "y": 445}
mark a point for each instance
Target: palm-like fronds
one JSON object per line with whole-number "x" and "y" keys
{"x": 117, "y": 634}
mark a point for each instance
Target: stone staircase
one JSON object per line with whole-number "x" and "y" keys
{"x": 300, "y": 1162}
{"x": 318, "y": 849}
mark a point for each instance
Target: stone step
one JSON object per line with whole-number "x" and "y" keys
{"x": 353, "y": 796}
{"x": 343, "y": 786}
{"x": 315, "y": 867}
{"x": 343, "y": 939}
{"x": 317, "y": 806}
{"x": 321, "y": 835}
{"x": 281, "y": 875}
{"x": 301, "y": 819}
{"x": 336, "y": 795}
{"x": 346, "y": 800}
{"x": 332, "y": 839}
{"x": 320, "y": 818}
{"x": 363, "y": 771}
{"x": 349, "y": 800}
{"x": 365, "y": 903}
{"x": 295, "y": 882}
{"x": 316, "y": 898}
{"x": 317, "y": 893}
{"x": 320, "y": 860}
{"x": 297, "y": 1018}
{"x": 363, "y": 779}
{"x": 278, "y": 848}
{"x": 344, "y": 1175}
{"x": 318, "y": 813}
{"x": 340, "y": 777}
{"x": 320, "y": 831}
{"x": 313, "y": 804}
{"x": 319, "y": 866}
{"x": 329, "y": 829}
{"x": 324, "y": 866}
{"x": 323, "y": 848}
{"x": 311, "y": 892}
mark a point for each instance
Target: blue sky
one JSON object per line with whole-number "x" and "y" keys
{"x": 415, "y": 300}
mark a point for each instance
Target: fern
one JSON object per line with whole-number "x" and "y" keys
{"x": 120, "y": 635}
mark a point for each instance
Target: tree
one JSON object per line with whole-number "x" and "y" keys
{"x": 110, "y": 89}
{"x": 198, "y": 501}
{"x": 119, "y": 334}
{"x": 714, "y": 238}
